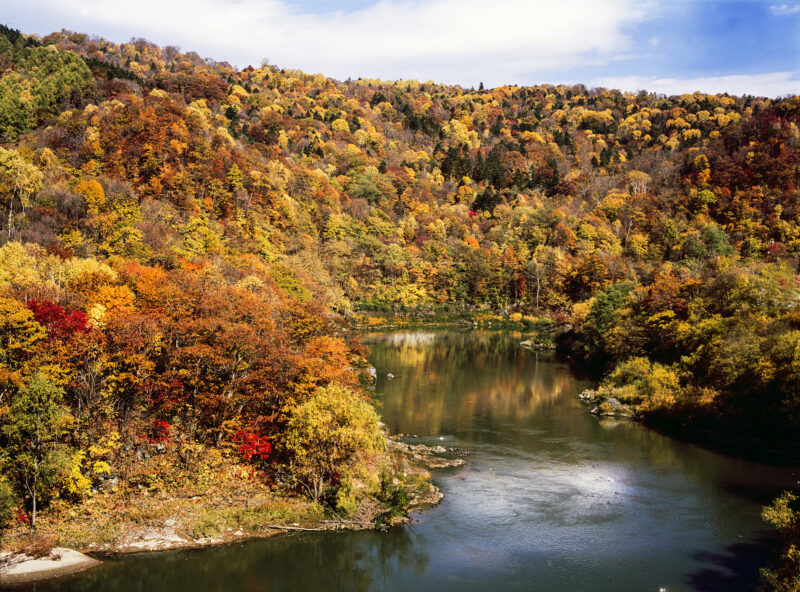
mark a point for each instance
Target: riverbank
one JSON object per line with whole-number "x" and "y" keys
{"x": 692, "y": 429}
{"x": 115, "y": 523}
{"x": 23, "y": 569}
{"x": 540, "y": 325}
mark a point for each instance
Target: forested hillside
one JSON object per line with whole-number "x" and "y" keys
{"x": 182, "y": 242}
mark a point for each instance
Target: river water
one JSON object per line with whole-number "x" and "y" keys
{"x": 551, "y": 499}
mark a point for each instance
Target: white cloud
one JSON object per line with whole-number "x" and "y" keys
{"x": 461, "y": 41}
{"x": 784, "y": 9}
{"x": 773, "y": 84}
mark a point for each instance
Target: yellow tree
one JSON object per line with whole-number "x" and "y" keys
{"x": 19, "y": 334}
{"x": 326, "y": 432}
{"x": 19, "y": 180}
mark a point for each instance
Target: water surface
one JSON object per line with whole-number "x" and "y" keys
{"x": 552, "y": 498}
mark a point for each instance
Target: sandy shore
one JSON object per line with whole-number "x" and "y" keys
{"x": 22, "y": 569}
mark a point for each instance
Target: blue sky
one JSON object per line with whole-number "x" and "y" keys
{"x": 670, "y": 46}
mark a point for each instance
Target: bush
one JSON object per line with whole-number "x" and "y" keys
{"x": 647, "y": 385}
{"x": 784, "y": 514}
{"x": 396, "y": 498}
{"x": 8, "y": 501}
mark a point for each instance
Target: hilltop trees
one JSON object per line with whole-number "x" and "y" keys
{"x": 37, "y": 82}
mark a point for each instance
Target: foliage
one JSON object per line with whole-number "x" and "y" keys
{"x": 59, "y": 322}
{"x": 648, "y": 386}
{"x": 253, "y": 446}
{"x": 183, "y": 241}
{"x": 34, "y": 423}
{"x": 40, "y": 79}
{"x": 325, "y": 434}
{"x": 396, "y": 497}
{"x": 784, "y": 515}
{"x": 8, "y": 502}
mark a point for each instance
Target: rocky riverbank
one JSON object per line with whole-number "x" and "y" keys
{"x": 19, "y": 568}
{"x": 158, "y": 523}
{"x": 605, "y": 404}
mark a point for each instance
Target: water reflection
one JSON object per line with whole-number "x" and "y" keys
{"x": 583, "y": 502}
{"x": 299, "y": 562}
{"x": 733, "y": 569}
{"x": 552, "y": 499}
{"x": 468, "y": 380}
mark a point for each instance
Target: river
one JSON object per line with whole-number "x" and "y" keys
{"x": 551, "y": 499}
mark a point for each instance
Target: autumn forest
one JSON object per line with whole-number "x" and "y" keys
{"x": 188, "y": 249}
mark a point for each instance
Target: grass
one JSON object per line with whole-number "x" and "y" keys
{"x": 213, "y": 501}
{"x": 213, "y": 522}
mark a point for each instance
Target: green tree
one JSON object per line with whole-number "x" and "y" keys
{"x": 605, "y": 306}
{"x": 34, "y": 423}
{"x": 40, "y": 81}
{"x": 8, "y": 502}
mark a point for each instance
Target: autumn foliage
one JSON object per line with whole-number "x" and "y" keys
{"x": 182, "y": 240}
{"x": 252, "y": 445}
{"x": 59, "y": 322}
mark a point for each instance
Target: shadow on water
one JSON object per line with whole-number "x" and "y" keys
{"x": 754, "y": 493}
{"x": 285, "y": 562}
{"x": 735, "y": 568}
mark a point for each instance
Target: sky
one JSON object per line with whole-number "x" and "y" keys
{"x": 665, "y": 46}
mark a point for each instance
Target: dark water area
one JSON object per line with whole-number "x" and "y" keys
{"x": 552, "y": 498}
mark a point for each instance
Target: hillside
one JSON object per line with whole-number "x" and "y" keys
{"x": 183, "y": 243}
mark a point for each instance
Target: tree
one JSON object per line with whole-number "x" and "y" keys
{"x": 7, "y": 503}
{"x": 325, "y": 433}
{"x": 34, "y": 423}
{"x": 784, "y": 515}
{"x": 19, "y": 336}
{"x": 541, "y": 269}
{"x": 60, "y": 322}
{"x": 18, "y": 181}
{"x": 487, "y": 200}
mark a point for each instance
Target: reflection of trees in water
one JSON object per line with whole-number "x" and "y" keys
{"x": 399, "y": 551}
{"x": 411, "y": 339}
{"x": 446, "y": 381}
{"x": 471, "y": 383}
{"x": 330, "y": 561}
{"x": 736, "y": 568}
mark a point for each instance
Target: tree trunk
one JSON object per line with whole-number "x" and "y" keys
{"x": 33, "y": 513}
{"x": 10, "y": 211}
